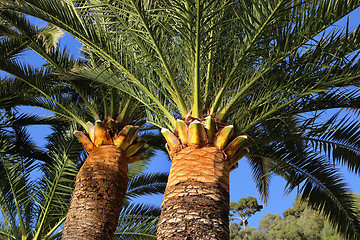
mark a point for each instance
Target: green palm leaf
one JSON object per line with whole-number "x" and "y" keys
{"x": 56, "y": 186}
{"x": 137, "y": 222}
{"x": 15, "y": 185}
{"x": 264, "y": 20}
{"x": 153, "y": 183}
{"x": 265, "y": 66}
{"x": 338, "y": 138}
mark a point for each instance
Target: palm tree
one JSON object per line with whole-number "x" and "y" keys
{"x": 112, "y": 142}
{"x": 225, "y": 79}
{"x": 35, "y": 207}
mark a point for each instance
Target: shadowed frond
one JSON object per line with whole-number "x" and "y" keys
{"x": 137, "y": 222}
{"x": 16, "y": 187}
{"x": 338, "y": 138}
{"x": 318, "y": 180}
{"x": 56, "y": 186}
{"x": 148, "y": 184}
{"x": 15, "y": 191}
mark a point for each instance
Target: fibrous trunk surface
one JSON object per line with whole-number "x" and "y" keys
{"x": 97, "y": 198}
{"x": 196, "y": 200}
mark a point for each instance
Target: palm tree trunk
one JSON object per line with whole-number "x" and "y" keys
{"x": 196, "y": 200}
{"x": 99, "y": 191}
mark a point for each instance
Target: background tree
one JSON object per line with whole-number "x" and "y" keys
{"x": 299, "y": 222}
{"x": 243, "y": 209}
{"x": 209, "y": 72}
{"x": 298, "y": 208}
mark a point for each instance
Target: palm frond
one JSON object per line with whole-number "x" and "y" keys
{"x": 154, "y": 140}
{"x": 56, "y": 186}
{"x": 324, "y": 188}
{"x": 314, "y": 176}
{"x": 26, "y": 35}
{"x": 138, "y": 167}
{"x": 338, "y": 139}
{"x": 51, "y": 98}
{"x": 16, "y": 187}
{"x": 260, "y": 167}
{"x": 147, "y": 184}
{"x": 137, "y": 222}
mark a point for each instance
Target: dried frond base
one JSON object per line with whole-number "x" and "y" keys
{"x": 104, "y": 133}
{"x": 198, "y": 134}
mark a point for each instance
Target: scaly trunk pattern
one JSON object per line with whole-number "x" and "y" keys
{"x": 101, "y": 183}
{"x": 196, "y": 200}
{"x": 97, "y": 198}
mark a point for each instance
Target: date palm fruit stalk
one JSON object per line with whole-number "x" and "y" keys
{"x": 102, "y": 180}
{"x": 203, "y": 152}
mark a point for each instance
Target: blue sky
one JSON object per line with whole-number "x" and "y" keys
{"x": 241, "y": 182}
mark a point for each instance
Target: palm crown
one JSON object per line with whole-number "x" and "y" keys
{"x": 36, "y": 208}
{"x": 259, "y": 65}
{"x": 74, "y": 101}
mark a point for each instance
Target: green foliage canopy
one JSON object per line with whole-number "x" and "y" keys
{"x": 299, "y": 222}
{"x": 243, "y": 209}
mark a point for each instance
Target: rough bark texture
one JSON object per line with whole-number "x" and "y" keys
{"x": 196, "y": 200}
{"x": 99, "y": 191}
